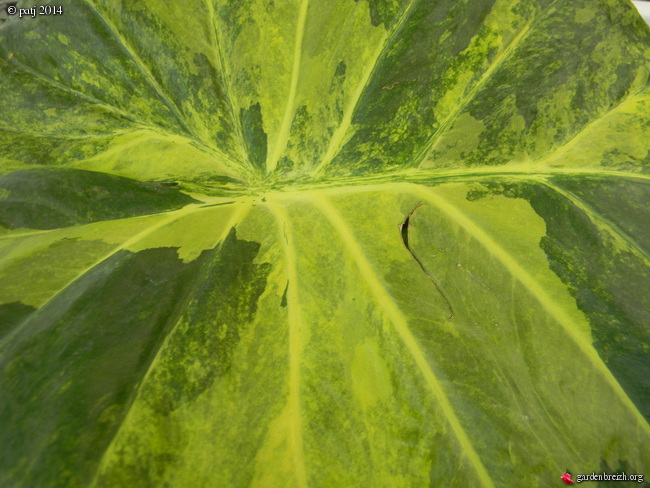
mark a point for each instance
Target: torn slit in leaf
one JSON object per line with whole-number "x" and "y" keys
{"x": 404, "y": 229}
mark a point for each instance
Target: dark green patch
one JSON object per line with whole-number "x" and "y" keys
{"x": 254, "y": 134}
{"x": 285, "y": 164}
{"x": 621, "y": 202}
{"x": 50, "y": 198}
{"x": 221, "y": 180}
{"x": 306, "y": 146}
{"x": 581, "y": 83}
{"x": 209, "y": 98}
{"x": 442, "y": 463}
{"x": 71, "y": 371}
{"x": 56, "y": 149}
{"x": 200, "y": 355}
{"x": 415, "y": 71}
{"x": 396, "y": 121}
{"x": 224, "y": 303}
{"x": 11, "y": 314}
{"x": 340, "y": 69}
{"x": 611, "y": 286}
{"x": 97, "y": 49}
{"x": 383, "y": 11}
{"x": 283, "y": 302}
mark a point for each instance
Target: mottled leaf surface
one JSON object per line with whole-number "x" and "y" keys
{"x": 313, "y": 243}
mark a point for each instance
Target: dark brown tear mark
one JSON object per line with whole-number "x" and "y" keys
{"x": 404, "y": 229}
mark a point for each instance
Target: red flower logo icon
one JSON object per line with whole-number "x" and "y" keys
{"x": 566, "y": 477}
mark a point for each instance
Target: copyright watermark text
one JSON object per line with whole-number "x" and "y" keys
{"x": 34, "y": 11}
{"x": 570, "y": 479}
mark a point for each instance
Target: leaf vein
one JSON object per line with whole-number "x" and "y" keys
{"x": 295, "y": 342}
{"x": 226, "y": 81}
{"x": 238, "y": 216}
{"x": 283, "y": 135}
{"x": 575, "y": 138}
{"x": 150, "y": 78}
{"x": 122, "y": 113}
{"x": 601, "y": 221}
{"x": 468, "y": 96}
{"x": 336, "y": 140}
{"x": 170, "y": 217}
{"x": 386, "y": 302}
{"x": 529, "y": 282}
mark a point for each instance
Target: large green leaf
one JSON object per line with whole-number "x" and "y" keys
{"x": 324, "y": 243}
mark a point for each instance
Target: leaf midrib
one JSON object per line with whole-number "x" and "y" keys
{"x": 343, "y": 184}
{"x": 285, "y": 236}
{"x": 244, "y": 169}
